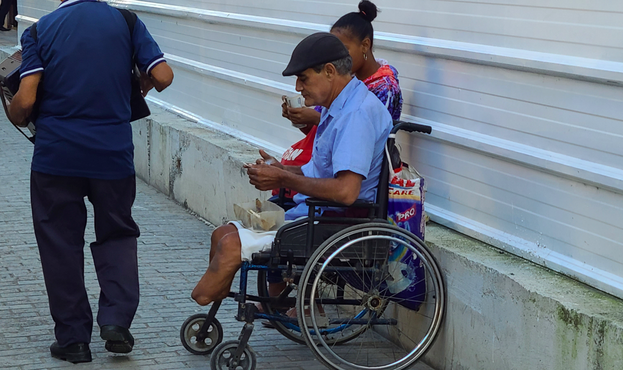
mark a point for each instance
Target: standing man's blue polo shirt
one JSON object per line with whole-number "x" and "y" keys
{"x": 85, "y": 53}
{"x": 351, "y": 136}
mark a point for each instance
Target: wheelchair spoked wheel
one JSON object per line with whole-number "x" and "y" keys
{"x": 329, "y": 287}
{"x": 223, "y": 357}
{"x": 190, "y": 331}
{"x": 394, "y": 302}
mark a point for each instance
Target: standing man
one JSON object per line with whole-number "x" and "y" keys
{"x": 78, "y": 69}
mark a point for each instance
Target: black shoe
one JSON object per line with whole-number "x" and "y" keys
{"x": 118, "y": 339}
{"x": 4, "y": 29}
{"x": 74, "y": 353}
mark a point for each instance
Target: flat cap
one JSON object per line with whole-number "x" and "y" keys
{"x": 315, "y": 49}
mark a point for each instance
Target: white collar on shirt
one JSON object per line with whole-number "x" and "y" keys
{"x": 68, "y": 2}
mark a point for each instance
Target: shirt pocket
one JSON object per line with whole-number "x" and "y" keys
{"x": 323, "y": 152}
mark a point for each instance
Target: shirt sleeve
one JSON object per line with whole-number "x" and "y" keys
{"x": 31, "y": 62}
{"x": 307, "y": 168}
{"x": 354, "y": 143}
{"x": 147, "y": 51}
{"x": 388, "y": 92}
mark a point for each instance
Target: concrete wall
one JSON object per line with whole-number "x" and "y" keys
{"x": 199, "y": 168}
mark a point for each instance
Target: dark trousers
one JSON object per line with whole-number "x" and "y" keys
{"x": 5, "y": 6}
{"x": 59, "y": 217}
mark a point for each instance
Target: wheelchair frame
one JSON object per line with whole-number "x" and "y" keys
{"x": 314, "y": 251}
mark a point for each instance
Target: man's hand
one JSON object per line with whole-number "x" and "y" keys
{"x": 146, "y": 83}
{"x": 284, "y": 109}
{"x": 268, "y": 160}
{"x": 265, "y": 177}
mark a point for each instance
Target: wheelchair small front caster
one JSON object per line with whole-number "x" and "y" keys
{"x": 223, "y": 357}
{"x": 199, "y": 343}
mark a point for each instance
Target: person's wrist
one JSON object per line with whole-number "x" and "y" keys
{"x": 283, "y": 178}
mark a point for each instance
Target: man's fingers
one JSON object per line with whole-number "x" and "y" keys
{"x": 264, "y": 154}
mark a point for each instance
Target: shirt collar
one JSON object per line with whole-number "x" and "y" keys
{"x": 342, "y": 97}
{"x": 71, "y": 2}
{"x": 327, "y": 115}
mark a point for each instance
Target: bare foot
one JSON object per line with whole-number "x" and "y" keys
{"x": 209, "y": 290}
{"x": 225, "y": 261}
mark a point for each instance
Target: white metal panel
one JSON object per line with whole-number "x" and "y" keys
{"x": 584, "y": 28}
{"x": 233, "y": 101}
{"x": 575, "y": 118}
{"x": 524, "y": 97}
{"x": 558, "y": 64}
{"x": 36, "y": 8}
{"x": 242, "y": 49}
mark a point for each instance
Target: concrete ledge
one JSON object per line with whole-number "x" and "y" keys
{"x": 503, "y": 312}
{"x": 199, "y": 168}
{"x": 508, "y": 313}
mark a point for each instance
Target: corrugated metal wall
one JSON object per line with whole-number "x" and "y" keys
{"x": 525, "y": 98}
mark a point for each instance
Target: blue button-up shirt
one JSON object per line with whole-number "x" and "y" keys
{"x": 351, "y": 136}
{"x": 84, "y": 50}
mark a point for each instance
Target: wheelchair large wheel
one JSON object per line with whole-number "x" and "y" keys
{"x": 394, "y": 298}
{"x": 329, "y": 287}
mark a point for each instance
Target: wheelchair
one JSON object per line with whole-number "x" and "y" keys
{"x": 339, "y": 279}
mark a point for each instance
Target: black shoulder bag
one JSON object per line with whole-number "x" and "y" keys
{"x": 137, "y": 101}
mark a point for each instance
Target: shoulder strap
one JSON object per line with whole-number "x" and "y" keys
{"x": 130, "y": 19}
{"x": 33, "y": 31}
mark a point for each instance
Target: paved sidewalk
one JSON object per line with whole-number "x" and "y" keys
{"x": 173, "y": 250}
{"x": 9, "y": 38}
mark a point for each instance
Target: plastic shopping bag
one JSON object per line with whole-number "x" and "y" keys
{"x": 405, "y": 208}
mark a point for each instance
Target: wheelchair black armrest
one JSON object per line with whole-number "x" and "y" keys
{"x": 359, "y": 203}
{"x": 411, "y": 127}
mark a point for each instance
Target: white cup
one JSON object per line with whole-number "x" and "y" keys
{"x": 295, "y": 101}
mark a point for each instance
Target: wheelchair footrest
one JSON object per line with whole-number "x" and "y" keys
{"x": 261, "y": 258}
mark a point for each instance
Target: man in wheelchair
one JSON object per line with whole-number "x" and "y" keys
{"x": 345, "y": 164}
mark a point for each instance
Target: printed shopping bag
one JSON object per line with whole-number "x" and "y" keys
{"x": 405, "y": 208}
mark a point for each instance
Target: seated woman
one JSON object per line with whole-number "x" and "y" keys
{"x": 345, "y": 164}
